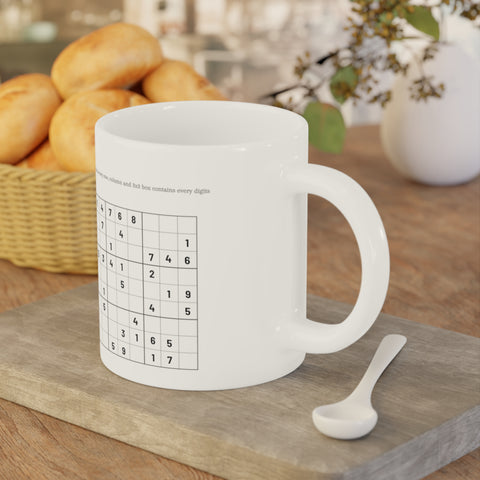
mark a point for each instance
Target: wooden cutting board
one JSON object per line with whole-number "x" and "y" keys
{"x": 427, "y": 400}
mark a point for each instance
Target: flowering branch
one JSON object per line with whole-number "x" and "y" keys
{"x": 374, "y": 25}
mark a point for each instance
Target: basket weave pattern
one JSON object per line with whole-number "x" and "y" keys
{"x": 48, "y": 220}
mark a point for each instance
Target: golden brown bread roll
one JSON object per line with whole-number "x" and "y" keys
{"x": 72, "y": 130}
{"x": 175, "y": 80}
{"x": 42, "y": 158}
{"x": 27, "y": 104}
{"x": 113, "y": 56}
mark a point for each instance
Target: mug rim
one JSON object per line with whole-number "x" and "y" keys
{"x": 109, "y": 123}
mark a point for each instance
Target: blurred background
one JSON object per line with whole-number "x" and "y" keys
{"x": 247, "y": 48}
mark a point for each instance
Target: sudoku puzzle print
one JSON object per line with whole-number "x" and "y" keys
{"x": 147, "y": 275}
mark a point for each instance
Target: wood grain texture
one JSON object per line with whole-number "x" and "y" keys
{"x": 41, "y": 447}
{"x": 434, "y": 236}
{"x": 49, "y": 351}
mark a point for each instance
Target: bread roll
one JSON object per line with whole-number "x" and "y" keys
{"x": 175, "y": 80}
{"x": 42, "y": 158}
{"x": 27, "y": 104}
{"x": 113, "y": 56}
{"x": 72, "y": 131}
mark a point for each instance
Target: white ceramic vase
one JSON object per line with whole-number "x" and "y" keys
{"x": 436, "y": 142}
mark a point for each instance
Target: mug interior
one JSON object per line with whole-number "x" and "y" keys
{"x": 203, "y": 123}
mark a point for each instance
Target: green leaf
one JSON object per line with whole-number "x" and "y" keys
{"x": 422, "y": 19}
{"x": 326, "y": 128}
{"x": 343, "y": 81}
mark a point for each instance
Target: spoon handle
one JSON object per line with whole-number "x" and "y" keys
{"x": 386, "y": 352}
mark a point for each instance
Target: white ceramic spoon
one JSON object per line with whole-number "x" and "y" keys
{"x": 354, "y": 417}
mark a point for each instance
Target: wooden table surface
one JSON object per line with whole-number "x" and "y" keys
{"x": 434, "y": 237}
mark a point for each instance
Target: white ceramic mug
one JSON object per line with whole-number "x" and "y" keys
{"x": 202, "y": 236}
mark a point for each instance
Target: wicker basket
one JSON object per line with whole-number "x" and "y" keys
{"x": 48, "y": 220}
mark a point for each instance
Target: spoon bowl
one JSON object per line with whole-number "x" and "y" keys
{"x": 354, "y": 417}
{"x": 345, "y": 420}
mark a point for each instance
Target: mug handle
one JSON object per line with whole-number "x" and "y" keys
{"x": 360, "y": 212}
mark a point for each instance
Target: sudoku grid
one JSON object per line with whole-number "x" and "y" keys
{"x": 147, "y": 277}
